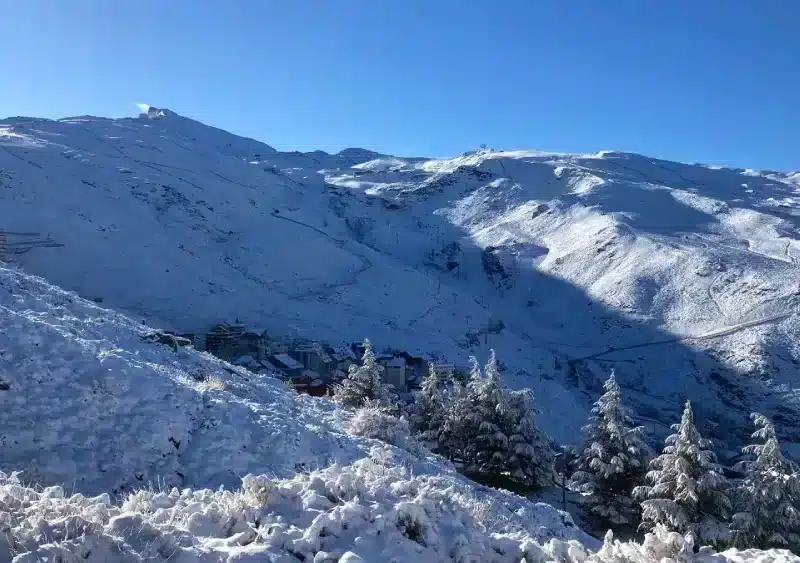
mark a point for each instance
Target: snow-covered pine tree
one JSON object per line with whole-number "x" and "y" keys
{"x": 687, "y": 491}
{"x": 611, "y": 461}
{"x": 492, "y": 430}
{"x": 428, "y": 411}
{"x": 531, "y": 459}
{"x": 456, "y": 434}
{"x": 768, "y": 499}
{"x": 363, "y": 383}
{"x": 489, "y": 446}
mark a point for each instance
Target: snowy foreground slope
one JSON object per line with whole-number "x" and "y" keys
{"x": 87, "y": 404}
{"x": 681, "y": 277}
{"x": 89, "y": 408}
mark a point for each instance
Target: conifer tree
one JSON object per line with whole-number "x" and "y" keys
{"x": 363, "y": 383}
{"x": 492, "y": 431}
{"x": 428, "y": 410}
{"x": 769, "y": 496}
{"x": 531, "y": 459}
{"x": 611, "y": 462}
{"x": 456, "y": 433}
{"x": 489, "y": 410}
{"x": 687, "y": 491}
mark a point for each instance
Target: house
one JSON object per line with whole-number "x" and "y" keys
{"x": 395, "y": 373}
{"x": 310, "y": 382}
{"x": 276, "y": 347}
{"x": 287, "y": 364}
{"x": 343, "y": 357}
{"x": 255, "y": 343}
{"x": 383, "y": 359}
{"x": 224, "y": 341}
{"x": 419, "y": 364}
{"x": 313, "y": 356}
{"x": 265, "y": 366}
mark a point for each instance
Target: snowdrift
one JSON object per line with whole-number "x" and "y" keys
{"x": 373, "y": 510}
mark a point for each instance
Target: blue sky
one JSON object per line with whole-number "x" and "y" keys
{"x": 714, "y": 81}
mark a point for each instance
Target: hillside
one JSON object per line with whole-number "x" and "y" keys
{"x": 194, "y": 460}
{"x": 681, "y": 277}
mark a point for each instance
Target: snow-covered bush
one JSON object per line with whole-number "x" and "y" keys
{"x": 611, "y": 462}
{"x": 372, "y": 510}
{"x": 768, "y": 499}
{"x": 375, "y": 509}
{"x": 687, "y": 491}
{"x": 363, "y": 383}
{"x": 373, "y": 421}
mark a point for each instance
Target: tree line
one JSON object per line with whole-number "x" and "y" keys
{"x": 490, "y": 433}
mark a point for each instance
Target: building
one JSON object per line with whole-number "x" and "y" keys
{"x": 247, "y": 362}
{"x": 310, "y": 382}
{"x": 224, "y": 341}
{"x": 395, "y": 373}
{"x": 343, "y": 357}
{"x": 275, "y": 347}
{"x": 266, "y": 367}
{"x": 313, "y": 356}
{"x": 256, "y": 344}
{"x": 287, "y": 364}
{"x": 229, "y": 341}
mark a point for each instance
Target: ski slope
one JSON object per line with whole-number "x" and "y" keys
{"x": 663, "y": 271}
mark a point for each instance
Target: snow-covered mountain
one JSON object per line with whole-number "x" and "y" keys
{"x": 90, "y": 406}
{"x": 681, "y": 277}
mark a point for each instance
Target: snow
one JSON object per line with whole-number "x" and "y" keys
{"x": 91, "y": 405}
{"x": 662, "y": 270}
{"x": 171, "y": 454}
{"x": 144, "y": 440}
{"x": 288, "y": 361}
{"x": 372, "y": 510}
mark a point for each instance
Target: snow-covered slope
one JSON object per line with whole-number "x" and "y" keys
{"x": 89, "y": 406}
{"x": 682, "y": 277}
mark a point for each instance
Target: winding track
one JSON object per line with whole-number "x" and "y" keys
{"x": 328, "y": 288}
{"x": 724, "y": 331}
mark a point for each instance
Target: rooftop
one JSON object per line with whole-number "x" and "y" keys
{"x": 287, "y": 361}
{"x": 397, "y": 362}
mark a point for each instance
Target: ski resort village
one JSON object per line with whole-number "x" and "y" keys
{"x": 309, "y": 366}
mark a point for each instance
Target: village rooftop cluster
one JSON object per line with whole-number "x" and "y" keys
{"x": 310, "y": 366}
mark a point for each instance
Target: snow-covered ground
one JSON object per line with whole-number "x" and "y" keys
{"x": 373, "y": 510}
{"x": 88, "y": 407}
{"x": 91, "y": 408}
{"x": 132, "y": 451}
{"x": 681, "y": 277}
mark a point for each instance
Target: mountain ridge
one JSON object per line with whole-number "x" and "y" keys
{"x": 584, "y": 258}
